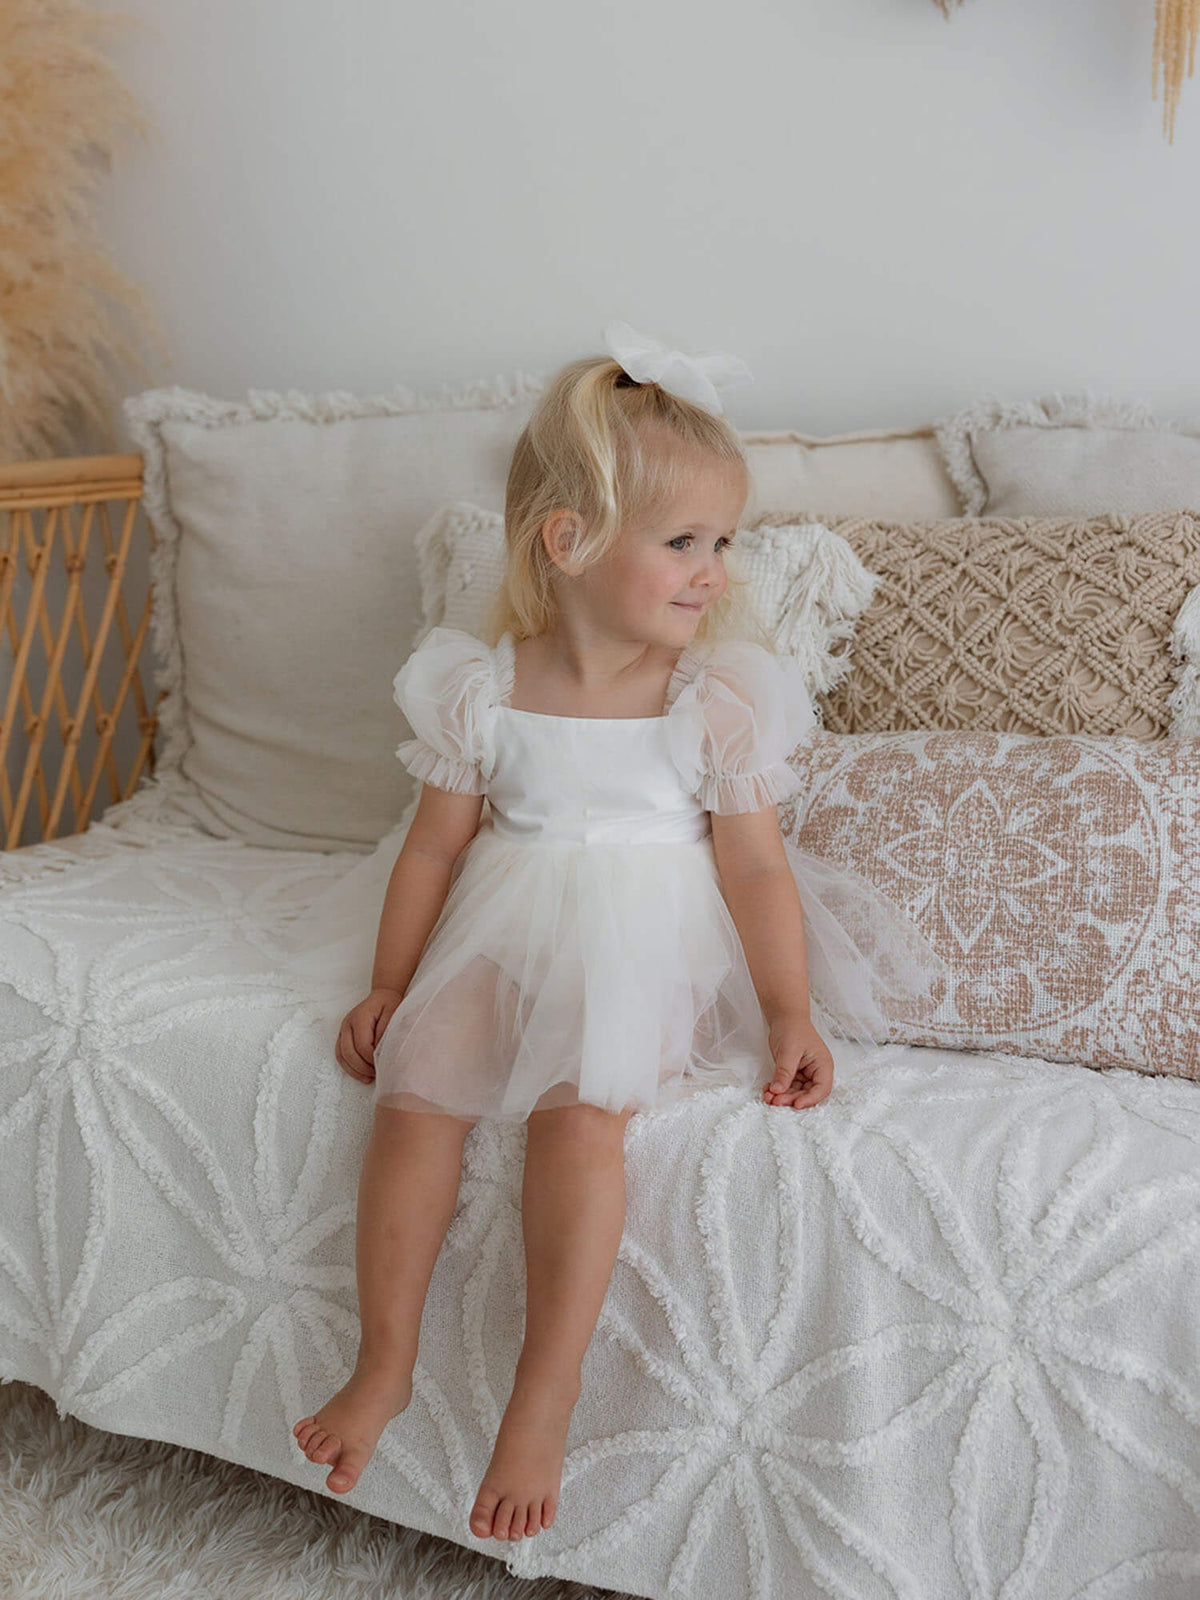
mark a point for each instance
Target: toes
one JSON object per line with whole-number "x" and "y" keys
{"x": 504, "y": 1516}
{"x": 303, "y": 1423}
{"x": 482, "y": 1515}
{"x": 345, "y": 1475}
{"x": 314, "y": 1437}
{"x": 324, "y": 1448}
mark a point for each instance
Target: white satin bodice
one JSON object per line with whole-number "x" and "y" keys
{"x": 589, "y": 780}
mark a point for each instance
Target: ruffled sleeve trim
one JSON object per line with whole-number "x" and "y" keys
{"x": 687, "y": 664}
{"x": 752, "y": 791}
{"x": 737, "y": 712}
{"x": 448, "y": 689}
{"x": 441, "y": 772}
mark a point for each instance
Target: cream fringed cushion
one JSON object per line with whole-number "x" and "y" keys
{"x": 892, "y": 472}
{"x": 1025, "y": 625}
{"x": 1058, "y": 877}
{"x": 286, "y": 594}
{"x": 1068, "y": 455}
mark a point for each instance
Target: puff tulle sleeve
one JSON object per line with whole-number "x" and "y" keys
{"x": 733, "y": 725}
{"x": 447, "y": 690}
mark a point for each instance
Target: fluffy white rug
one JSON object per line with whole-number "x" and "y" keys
{"x": 88, "y": 1515}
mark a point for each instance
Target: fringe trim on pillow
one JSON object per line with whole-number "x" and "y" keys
{"x": 1083, "y": 410}
{"x": 145, "y": 415}
{"x": 1184, "y": 699}
{"x": 823, "y": 590}
{"x": 435, "y": 542}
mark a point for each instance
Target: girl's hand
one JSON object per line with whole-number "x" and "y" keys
{"x": 803, "y": 1064}
{"x": 361, "y": 1030}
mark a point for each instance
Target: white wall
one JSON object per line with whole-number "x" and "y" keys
{"x": 886, "y": 214}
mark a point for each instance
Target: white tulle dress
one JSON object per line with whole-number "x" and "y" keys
{"x": 585, "y": 951}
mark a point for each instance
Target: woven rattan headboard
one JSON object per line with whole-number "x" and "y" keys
{"x": 61, "y": 562}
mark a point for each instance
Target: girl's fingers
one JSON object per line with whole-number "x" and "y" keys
{"x": 349, "y": 1068}
{"x": 349, "y": 1044}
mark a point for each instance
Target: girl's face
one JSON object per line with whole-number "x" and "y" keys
{"x": 667, "y": 570}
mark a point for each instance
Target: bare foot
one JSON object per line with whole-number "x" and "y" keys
{"x": 345, "y": 1431}
{"x": 519, "y": 1492}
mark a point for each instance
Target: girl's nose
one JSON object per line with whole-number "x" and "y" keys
{"x": 709, "y": 574}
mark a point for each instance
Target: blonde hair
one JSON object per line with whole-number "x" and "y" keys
{"x": 611, "y": 450}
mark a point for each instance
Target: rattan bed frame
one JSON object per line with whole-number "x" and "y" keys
{"x": 59, "y": 554}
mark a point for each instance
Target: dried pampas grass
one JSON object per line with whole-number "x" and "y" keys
{"x": 63, "y": 113}
{"x": 1176, "y": 24}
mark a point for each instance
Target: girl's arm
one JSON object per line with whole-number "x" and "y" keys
{"x": 764, "y": 901}
{"x": 445, "y": 823}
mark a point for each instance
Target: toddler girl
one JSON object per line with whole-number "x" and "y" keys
{"x": 624, "y": 926}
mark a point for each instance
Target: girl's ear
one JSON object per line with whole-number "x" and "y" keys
{"x": 559, "y": 532}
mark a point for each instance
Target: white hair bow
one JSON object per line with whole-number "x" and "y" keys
{"x": 694, "y": 378}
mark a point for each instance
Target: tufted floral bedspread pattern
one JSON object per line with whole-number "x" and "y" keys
{"x": 939, "y": 1336}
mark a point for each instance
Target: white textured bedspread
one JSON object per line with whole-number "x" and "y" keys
{"x": 936, "y": 1337}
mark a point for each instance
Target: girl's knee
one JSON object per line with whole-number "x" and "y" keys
{"x": 583, "y": 1127}
{"x": 393, "y": 1121}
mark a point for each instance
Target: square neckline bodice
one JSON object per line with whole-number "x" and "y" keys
{"x": 506, "y": 663}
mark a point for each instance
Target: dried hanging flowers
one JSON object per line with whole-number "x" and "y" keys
{"x": 68, "y": 316}
{"x": 1176, "y": 25}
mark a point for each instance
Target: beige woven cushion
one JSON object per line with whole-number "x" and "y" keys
{"x": 1072, "y": 455}
{"x": 1059, "y": 878}
{"x": 1027, "y": 625}
{"x": 885, "y": 473}
{"x": 286, "y": 594}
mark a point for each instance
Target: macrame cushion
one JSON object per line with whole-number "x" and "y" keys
{"x": 1027, "y": 625}
{"x": 1058, "y": 877}
{"x": 286, "y": 595}
{"x": 1062, "y": 456}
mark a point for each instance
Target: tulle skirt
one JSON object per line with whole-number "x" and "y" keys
{"x": 610, "y": 974}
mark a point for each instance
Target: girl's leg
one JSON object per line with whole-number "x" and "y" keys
{"x": 572, "y": 1217}
{"x": 407, "y": 1192}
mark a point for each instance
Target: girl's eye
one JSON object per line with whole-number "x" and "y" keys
{"x": 674, "y": 544}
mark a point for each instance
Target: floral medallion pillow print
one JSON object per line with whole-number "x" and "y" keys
{"x": 1059, "y": 877}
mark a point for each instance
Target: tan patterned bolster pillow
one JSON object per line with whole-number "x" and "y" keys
{"x": 1058, "y": 877}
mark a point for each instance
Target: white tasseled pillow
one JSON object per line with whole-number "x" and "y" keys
{"x": 806, "y": 584}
